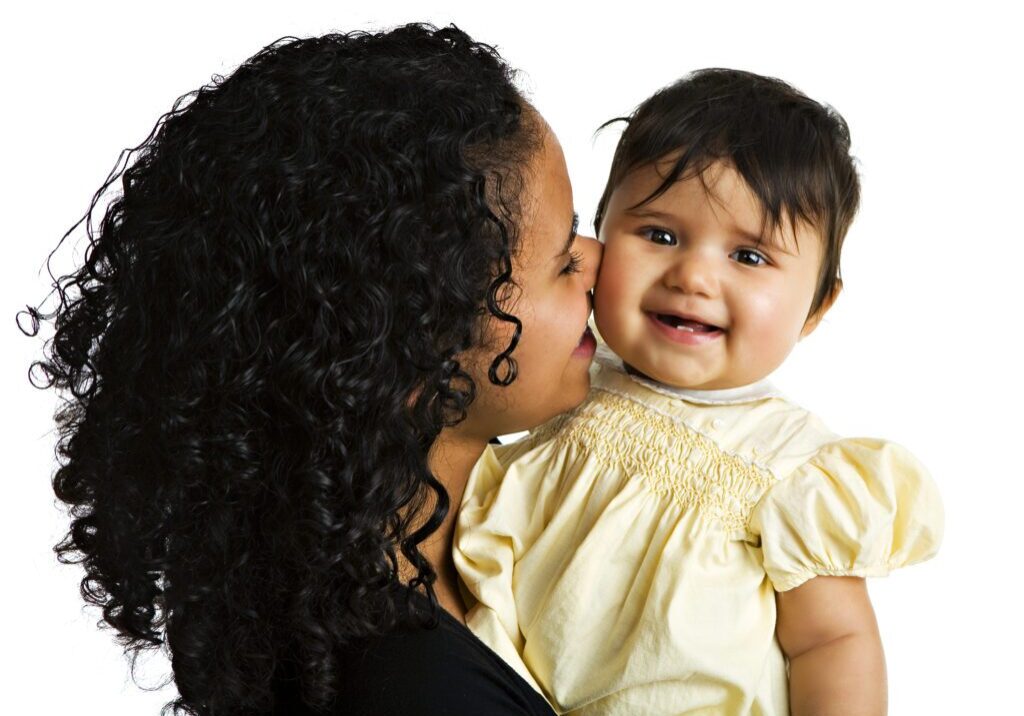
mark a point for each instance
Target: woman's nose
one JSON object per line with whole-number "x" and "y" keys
{"x": 592, "y": 251}
{"x": 693, "y": 272}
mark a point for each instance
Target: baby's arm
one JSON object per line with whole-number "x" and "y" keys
{"x": 827, "y": 629}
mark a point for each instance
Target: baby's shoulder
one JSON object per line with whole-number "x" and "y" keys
{"x": 784, "y": 433}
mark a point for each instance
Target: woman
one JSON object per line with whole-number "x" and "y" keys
{"x": 329, "y": 279}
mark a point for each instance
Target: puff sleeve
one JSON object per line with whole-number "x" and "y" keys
{"x": 859, "y": 507}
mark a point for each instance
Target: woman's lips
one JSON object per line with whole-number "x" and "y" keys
{"x": 685, "y": 334}
{"x": 587, "y": 345}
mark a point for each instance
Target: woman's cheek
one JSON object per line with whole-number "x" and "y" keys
{"x": 567, "y": 318}
{"x": 547, "y": 329}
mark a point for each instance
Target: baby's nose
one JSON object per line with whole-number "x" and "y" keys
{"x": 694, "y": 273}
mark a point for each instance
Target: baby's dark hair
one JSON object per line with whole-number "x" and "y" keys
{"x": 263, "y": 343}
{"x": 792, "y": 151}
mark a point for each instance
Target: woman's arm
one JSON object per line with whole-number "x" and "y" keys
{"x": 827, "y": 629}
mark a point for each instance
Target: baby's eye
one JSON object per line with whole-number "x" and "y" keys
{"x": 659, "y": 236}
{"x": 750, "y": 257}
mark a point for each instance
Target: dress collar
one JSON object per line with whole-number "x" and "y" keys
{"x": 752, "y": 392}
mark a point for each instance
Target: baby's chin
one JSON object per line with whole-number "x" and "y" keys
{"x": 655, "y": 366}
{"x": 673, "y": 380}
{"x": 658, "y": 376}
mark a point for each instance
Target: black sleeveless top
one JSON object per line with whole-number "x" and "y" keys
{"x": 413, "y": 670}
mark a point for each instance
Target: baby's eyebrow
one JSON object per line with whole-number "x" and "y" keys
{"x": 771, "y": 240}
{"x": 650, "y": 214}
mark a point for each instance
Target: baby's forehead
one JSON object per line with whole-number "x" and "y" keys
{"x": 659, "y": 191}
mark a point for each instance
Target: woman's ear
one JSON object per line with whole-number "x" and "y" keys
{"x": 813, "y": 320}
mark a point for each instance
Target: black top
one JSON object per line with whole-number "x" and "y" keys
{"x": 442, "y": 671}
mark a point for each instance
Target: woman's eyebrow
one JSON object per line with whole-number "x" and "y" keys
{"x": 572, "y": 234}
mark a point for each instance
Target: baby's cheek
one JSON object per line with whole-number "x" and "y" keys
{"x": 773, "y": 324}
{"x": 608, "y": 311}
{"x": 604, "y": 289}
{"x": 613, "y": 290}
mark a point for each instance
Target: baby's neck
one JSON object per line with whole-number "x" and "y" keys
{"x": 735, "y": 394}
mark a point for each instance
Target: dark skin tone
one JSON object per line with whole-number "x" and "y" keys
{"x": 555, "y": 271}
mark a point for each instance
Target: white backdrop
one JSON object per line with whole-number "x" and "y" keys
{"x": 920, "y": 349}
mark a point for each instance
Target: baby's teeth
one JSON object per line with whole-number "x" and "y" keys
{"x": 688, "y": 329}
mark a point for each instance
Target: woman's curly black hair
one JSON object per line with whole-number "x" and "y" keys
{"x": 263, "y": 343}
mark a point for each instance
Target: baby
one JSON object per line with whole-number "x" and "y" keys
{"x": 688, "y": 540}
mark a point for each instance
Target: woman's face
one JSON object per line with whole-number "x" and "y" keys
{"x": 555, "y": 271}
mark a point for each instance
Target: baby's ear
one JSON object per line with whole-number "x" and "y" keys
{"x": 813, "y": 320}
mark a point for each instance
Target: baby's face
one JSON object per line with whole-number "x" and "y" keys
{"x": 686, "y": 296}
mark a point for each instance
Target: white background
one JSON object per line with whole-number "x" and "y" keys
{"x": 920, "y": 349}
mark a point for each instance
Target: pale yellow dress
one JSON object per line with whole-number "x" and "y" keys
{"x": 624, "y": 557}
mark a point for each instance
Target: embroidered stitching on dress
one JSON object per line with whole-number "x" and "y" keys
{"x": 673, "y": 459}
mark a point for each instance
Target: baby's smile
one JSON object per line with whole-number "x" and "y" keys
{"x": 685, "y": 322}
{"x": 684, "y": 329}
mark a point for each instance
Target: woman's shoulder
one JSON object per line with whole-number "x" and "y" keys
{"x": 443, "y": 669}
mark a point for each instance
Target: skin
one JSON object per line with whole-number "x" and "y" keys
{"x": 555, "y": 279}
{"x": 828, "y": 631}
{"x": 695, "y": 252}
